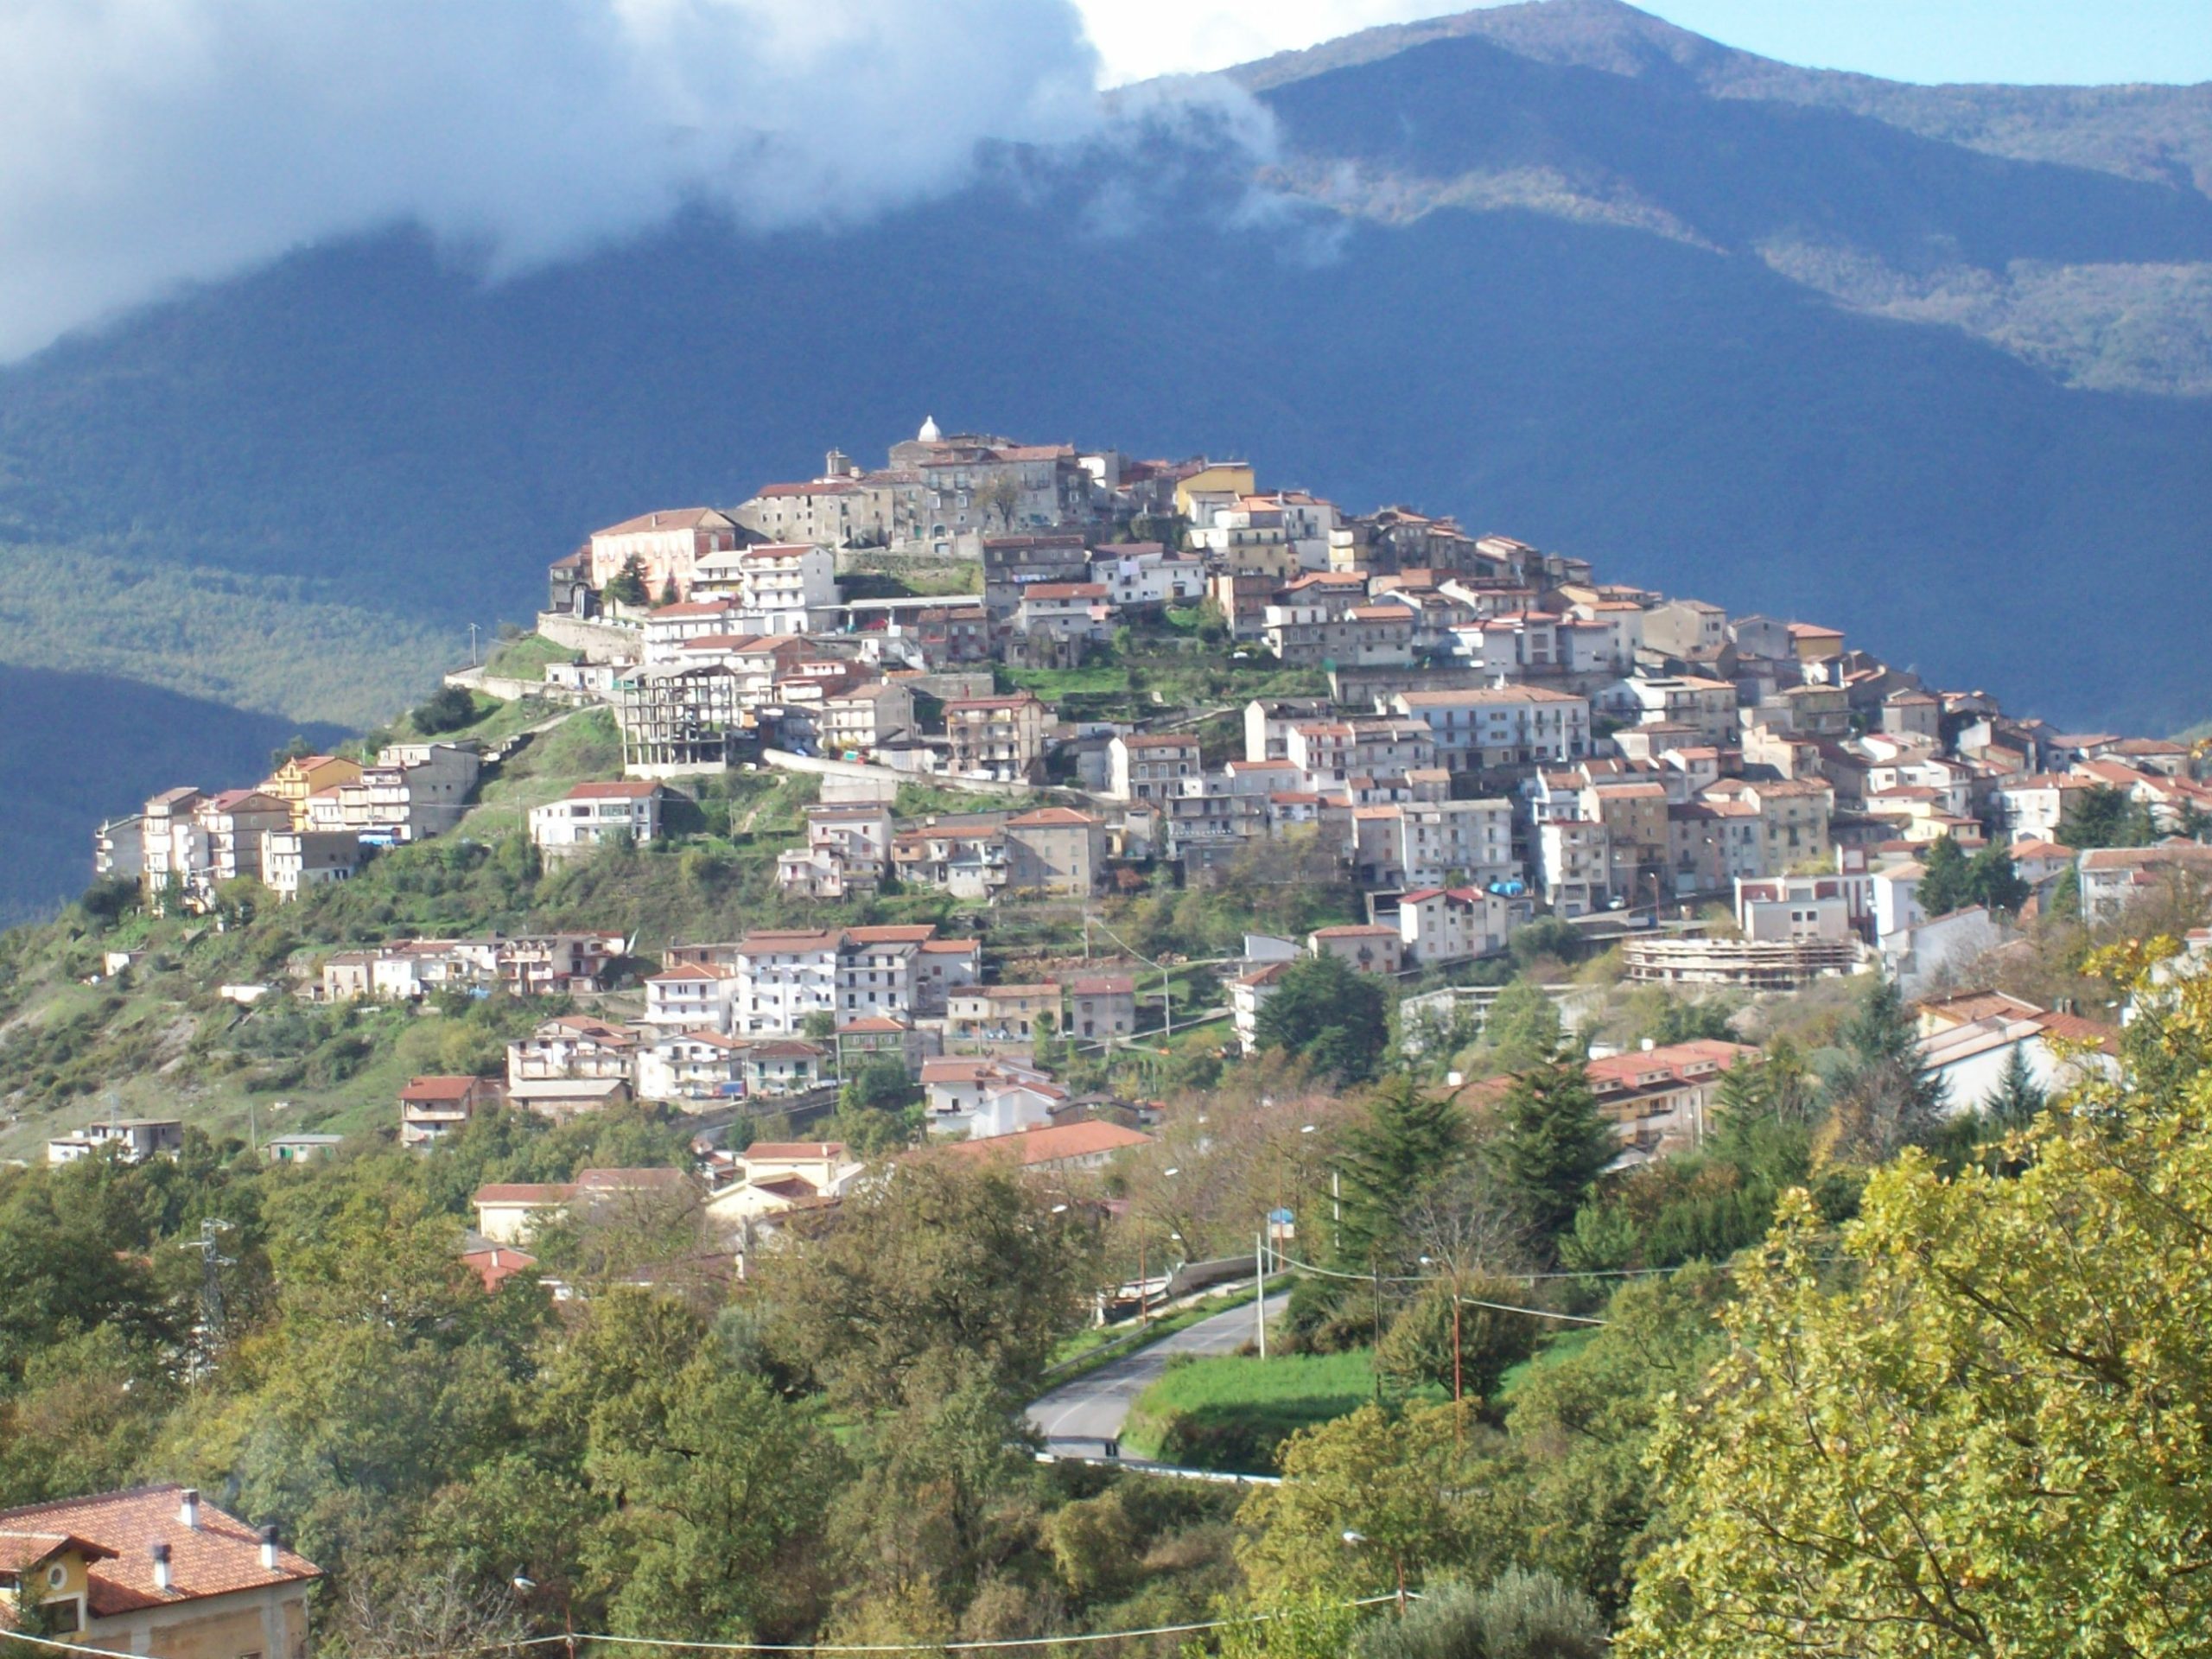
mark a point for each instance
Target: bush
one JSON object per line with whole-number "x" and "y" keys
{"x": 447, "y": 710}
{"x": 1521, "y": 1616}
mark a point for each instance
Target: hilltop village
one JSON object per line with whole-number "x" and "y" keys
{"x": 1101, "y": 673}
{"x": 908, "y": 952}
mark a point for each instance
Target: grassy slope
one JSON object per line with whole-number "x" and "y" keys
{"x": 1231, "y": 1413}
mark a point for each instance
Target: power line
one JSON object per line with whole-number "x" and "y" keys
{"x": 932, "y": 1644}
{"x": 1433, "y": 1278}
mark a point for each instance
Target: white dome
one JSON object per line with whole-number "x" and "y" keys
{"x": 929, "y": 433}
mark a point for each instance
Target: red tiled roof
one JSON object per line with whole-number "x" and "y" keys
{"x": 623, "y": 789}
{"x": 219, "y": 1556}
{"x": 668, "y": 518}
{"x": 1051, "y": 1144}
{"x": 793, "y": 1151}
{"x": 440, "y": 1089}
{"x": 1052, "y": 818}
{"x": 525, "y": 1192}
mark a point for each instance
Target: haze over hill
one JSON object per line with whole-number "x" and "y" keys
{"x": 1929, "y": 364}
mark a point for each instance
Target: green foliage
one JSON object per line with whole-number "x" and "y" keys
{"x": 1421, "y": 1350}
{"x": 1881, "y": 1098}
{"x": 1953, "y": 880}
{"x": 448, "y": 709}
{"x": 1409, "y": 1144}
{"x": 2017, "y": 1099}
{"x": 1407, "y": 1483}
{"x": 1234, "y": 1412}
{"x": 722, "y": 1484}
{"x": 1950, "y": 1446}
{"x": 1329, "y": 1013}
{"x": 2103, "y": 816}
{"x": 1553, "y": 1142}
{"x": 952, "y": 1259}
{"x": 1523, "y": 1026}
{"x": 627, "y": 585}
{"x": 1519, "y": 1615}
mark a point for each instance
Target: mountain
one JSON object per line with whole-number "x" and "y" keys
{"x": 1559, "y": 268}
{"x": 72, "y": 746}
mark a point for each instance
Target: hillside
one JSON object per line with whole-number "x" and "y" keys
{"x": 1561, "y": 270}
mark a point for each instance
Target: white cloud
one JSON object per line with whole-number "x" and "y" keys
{"x": 1137, "y": 38}
{"x": 148, "y": 142}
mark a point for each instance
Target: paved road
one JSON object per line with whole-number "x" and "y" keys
{"x": 1091, "y": 1409}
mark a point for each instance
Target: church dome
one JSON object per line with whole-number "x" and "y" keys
{"x": 929, "y": 433}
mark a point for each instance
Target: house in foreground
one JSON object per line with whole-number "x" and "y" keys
{"x": 155, "y": 1570}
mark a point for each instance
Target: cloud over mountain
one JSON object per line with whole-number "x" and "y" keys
{"x": 144, "y": 143}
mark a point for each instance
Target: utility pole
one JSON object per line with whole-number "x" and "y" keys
{"x": 472, "y": 645}
{"x": 1260, "y": 1304}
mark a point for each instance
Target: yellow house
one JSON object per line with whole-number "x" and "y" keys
{"x": 153, "y": 1571}
{"x": 308, "y": 774}
{"x": 1222, "y": 484}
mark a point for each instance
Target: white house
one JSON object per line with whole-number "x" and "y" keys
{"x": 593, "y": 815}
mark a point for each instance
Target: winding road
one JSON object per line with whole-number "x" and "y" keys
{"x": 1085, "y": 1416}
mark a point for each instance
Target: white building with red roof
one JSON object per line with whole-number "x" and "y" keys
{"x": 595, "y": 815}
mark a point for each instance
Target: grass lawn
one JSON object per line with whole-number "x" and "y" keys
{"x": 1232, "y": 1413}
{"x": 526, "y": 658}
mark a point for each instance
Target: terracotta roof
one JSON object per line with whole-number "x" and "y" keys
{"x": 1051, "y": 1144}
{"x": 525, "y": 1192}
{"x": 875, "y": 1023}
{"x": 623, "y": 789}
{"x": 1356, "y": 930}
{"x": 497, "y": 1264}
{"x": 1085, "y": 590}
{"x": 1104, "y": 985}
{"x": 793, "y": 1151}
{"x": 669, "y": 519}
{"x": 1052, "y": 818}
{"x": 440, "y": 1089}
{"x": 219, "y": 1556}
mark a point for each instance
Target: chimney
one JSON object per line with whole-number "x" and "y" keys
{"x": 188, "y": 1508}
{"x": 161, "y": 1568}
{"x": 268, "y": 1549}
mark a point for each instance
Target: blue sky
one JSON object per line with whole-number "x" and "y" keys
{"x": 2070, "y": 40}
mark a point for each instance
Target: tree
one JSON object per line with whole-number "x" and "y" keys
{"x": 721, "y": 1485}
{"x": 1523, "y": 1025}
{"x": 1553, "y": 1141}
{"x": 1955, "y": 1441}
{"x": 627, "y": 585}
{"x": 1883, "y": 1098}
{"x": 1519, "y": 1615}
{"x": 1945, "y": 887}
{"x": 2103, "y": 816}
{"x": 1405, "y": 1486}
{"x": 2018, "y": 1099}
{"x": 1331, "y": 1015}
{"x": 447, "y": 710}
{"x": 1772, "y": 1086}
{"x": 953, "y": 1257}
{"x": 1422, "y": 1347}
{"x": 1992, "y": 882}
{"x": 1409, "y": 1144}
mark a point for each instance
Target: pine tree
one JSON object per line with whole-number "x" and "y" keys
{"x": 2019, "y": 1098}
{"x": 1992, "y": 882}
{"x": 1553, "y": 1142}
{"x": 1410, "y": 1143}
{"x": 1945, "y": 887}
{"x": 1884, "y": 1099}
